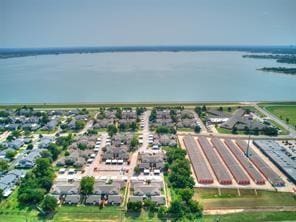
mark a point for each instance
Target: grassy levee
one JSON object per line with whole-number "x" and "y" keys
{"x": 119, "y": 104}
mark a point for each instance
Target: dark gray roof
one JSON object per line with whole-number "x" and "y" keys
{"x": 93, "y": 199}
{"x": 72, "y": 199}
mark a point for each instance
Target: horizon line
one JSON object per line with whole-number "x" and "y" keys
{"x": 151, "y": 46}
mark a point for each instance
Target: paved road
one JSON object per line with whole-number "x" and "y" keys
{"x": 89, "y": 171}
{"x": 145, "y": 132}
{"x": 278, "y": 121}
{"x": 202, "y": 125}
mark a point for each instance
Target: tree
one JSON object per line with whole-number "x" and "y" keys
{"x": 3, "y": 165}
{"x": 133, "y": 126}
{"x": 49, "y": 204}
{"x": 134, "y": 143}
{"x": 54, "y": 150}
{"x": 134, "y": 206}
{"x": 43, "y": 168}
{"x": 176, "y": 209}
{"x": 79, "y": 124}
{"x": 10, "y": 154}
{"x": 1, "y": 194}
{"x": 137, "y": 170}
{"x": 111, "y": 130}
{"x": 198, "y": 110}
{"x": 162, "y": 211}
{"x": 204, "y": 108}
{"x": 31, "y": 195}
{"x": 234, "y": 130}
{"x": 197, "y": 129}
{"x": 186, "y": 194}
{"x": 287, "y": 120}
{"x": 87, "y": 185}
{"x": 220, "y": 108}
{"x": 30, "y": 146}
{"x": 271, "y": 131}
{"x": 175, "y": 154}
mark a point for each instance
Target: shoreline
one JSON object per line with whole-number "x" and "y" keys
{"x": 138, "y": 104}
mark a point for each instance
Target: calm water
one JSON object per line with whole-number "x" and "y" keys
{"x": 141, "y": 77}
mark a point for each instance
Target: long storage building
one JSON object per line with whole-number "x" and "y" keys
{"x": 245, "y": 162}
{"x": 198, "y": 161}
{"x": 270, "y": 175}
{"x": 280, "y": 156}
{"x": 218, "y": 168}
{"x": 229, "y": 160}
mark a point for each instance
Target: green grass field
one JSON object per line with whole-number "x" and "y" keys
{"x": 283, "y": 112}
{"x": 88, "y": 213}
{"x": 12, "y": 211}
{"x": 252, "y": 217}
{"x": 229, "y": 199}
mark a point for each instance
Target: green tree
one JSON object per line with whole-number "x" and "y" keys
{"x": 10, "y": 154}
{"x": 30, "y": 146}
{"x": 1, "y": 194}
{"x": 134, "y": 143}
{"x": 79, "y": 124}
{"x": 49, "y": 204}
{"x": 234, "y": 130}
{"x": 137, "y": 170}
{"x": 54, "y": 150}
{"x": 133, "y": 126}
{"x": 176, "y": 209}
{"x": 134, "y": 206}
{"x": 87, "y": 185}
{"x": 186, "y": 194}
{"x": 197, "y": 129}
{"x": 111, "y": 130}
{"x": 3, "y": 165}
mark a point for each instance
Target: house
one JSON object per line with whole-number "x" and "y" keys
{"x": 29, "y": 160}
{"x": 18, "y": 173}
{"x": 151, "y": 161}
{"x": 114, "y": 199}
{"x": 151, "y": 189}
{"x": 136, "y": 198}
{"x": 158, "y": 199}
{"x": 45, "y": 141}
{"x": 118, "y": 153}
{"x": 8, "y": 183}
{"x": 65, "y": 188}
{"x": 93, "y": 199}
{"x": 52, "y": 124}
{"x": 72, "y": 199}
{"x": 105, "y": 189}
{"x": 146, "y": 190}
{"x": 15, "y": 144}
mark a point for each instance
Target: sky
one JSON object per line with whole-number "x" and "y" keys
{"x": 66, "y": 23}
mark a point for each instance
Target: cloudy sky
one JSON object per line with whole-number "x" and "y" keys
{"x": 54, "y": 23}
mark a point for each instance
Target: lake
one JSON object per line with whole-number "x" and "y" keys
{"x": 142, "y": 77}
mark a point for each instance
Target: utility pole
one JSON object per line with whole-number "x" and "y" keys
{"x": 248, "y": 146}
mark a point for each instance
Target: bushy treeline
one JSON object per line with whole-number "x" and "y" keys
{"x": 183, "y": 207}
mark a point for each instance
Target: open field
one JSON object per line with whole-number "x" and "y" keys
{"x": 88, "y": 213}
{"x": 283, "y": 112}
{"x": 11, "y": 210}
{"x": 252, "y": 216}
{"x": 229, "y": 199}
